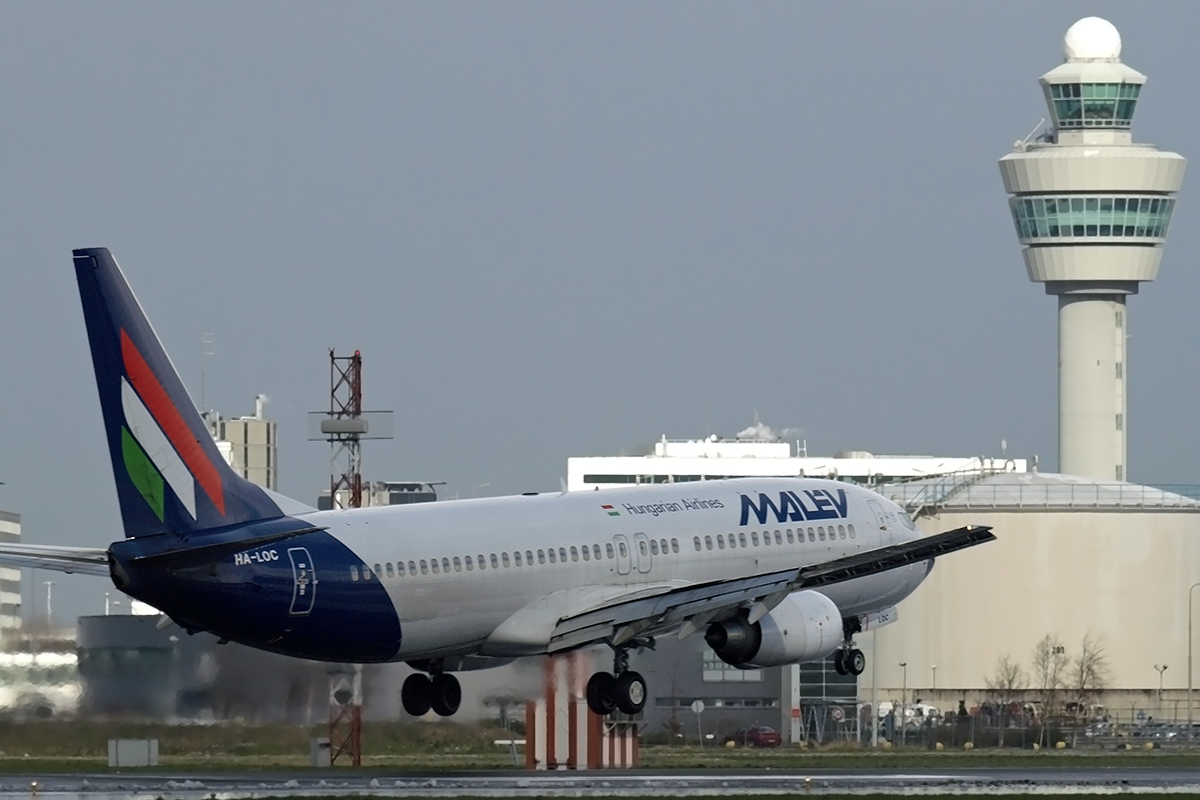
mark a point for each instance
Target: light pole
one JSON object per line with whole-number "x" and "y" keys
{"x": 874, "y": 690}
{"x": 1191, "y": 735}
{"x": 1161, "y": 669}
{"x": 49, "y": 602}
{"x": 903, "y": 704}
{"x": 934, "y": 680}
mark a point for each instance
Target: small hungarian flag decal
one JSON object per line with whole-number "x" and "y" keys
{"x": 612, "y": 512}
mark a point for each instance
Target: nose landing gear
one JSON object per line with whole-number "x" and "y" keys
{"x": 439, "y": 691}
{"x": 622, "y": 689}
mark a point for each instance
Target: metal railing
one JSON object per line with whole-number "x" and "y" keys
{"x": 967, "y": 493}
{"x": 933, "y": 495}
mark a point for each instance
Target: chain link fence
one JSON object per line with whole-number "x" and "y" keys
{"x": 1015, "y": 725}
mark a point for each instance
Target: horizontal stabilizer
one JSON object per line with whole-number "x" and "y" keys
{"x": 235, "y": 542}
{"x": 77, "y": 560}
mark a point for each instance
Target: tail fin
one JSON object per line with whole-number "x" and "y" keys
{"x": 170, "y": 475}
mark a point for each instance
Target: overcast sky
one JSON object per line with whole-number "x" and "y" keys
{"x": 558, "y": 229}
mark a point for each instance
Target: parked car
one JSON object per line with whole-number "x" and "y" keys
{"x": 756, "y": 736}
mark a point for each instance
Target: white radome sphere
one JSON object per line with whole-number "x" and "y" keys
{"x": 1092, "y": 38}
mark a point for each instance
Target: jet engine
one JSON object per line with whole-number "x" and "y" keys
{"x": 806, "y": 626}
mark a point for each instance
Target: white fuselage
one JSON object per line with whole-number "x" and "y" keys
{"x": 492, "y": 576}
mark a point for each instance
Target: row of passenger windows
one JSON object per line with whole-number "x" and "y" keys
{"x": 516, "y": 559}
{"x": 593, "y": 553}
{"x": 820, "y": 533}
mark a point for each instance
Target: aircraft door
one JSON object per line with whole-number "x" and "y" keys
{"x": 642, "y": 555}
{"x": 624, "y": 560}
{"x": 881, "y": 523}
{"x": 304, "y": 577}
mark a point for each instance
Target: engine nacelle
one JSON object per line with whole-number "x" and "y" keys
{"x": 806, "y": 626}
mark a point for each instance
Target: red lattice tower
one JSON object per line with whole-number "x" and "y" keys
{"x": 345, "y": 715}
{"x": 345, "y": 427}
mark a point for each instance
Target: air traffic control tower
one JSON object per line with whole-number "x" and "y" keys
{"x": 1091, "y": 210}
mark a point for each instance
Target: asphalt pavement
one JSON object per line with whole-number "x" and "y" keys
{"x": 309, "y": 783}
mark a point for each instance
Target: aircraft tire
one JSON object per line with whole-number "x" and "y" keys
{"x": 855, "y": 662}
{"x": 631, "y": 692}
{"x": 416, "y": 695}
{"x": 446, "y": 696}
{"x": 602, "y": 693}
{"x": 839, "y": 662}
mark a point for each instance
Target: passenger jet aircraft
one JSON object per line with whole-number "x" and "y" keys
{"x": 771, "y": 570}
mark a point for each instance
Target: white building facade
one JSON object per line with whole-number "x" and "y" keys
{"x": 250, "y": 445}
{"x": 10, "y": 577}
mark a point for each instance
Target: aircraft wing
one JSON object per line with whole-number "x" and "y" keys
{"x": 689, "y": 608}
{"x": 79, "y": 560}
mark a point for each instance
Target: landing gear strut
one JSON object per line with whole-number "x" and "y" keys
{"x": 439, "y": 691}
{"x": 622, "y": 689}
{"x": 849, "y": 660}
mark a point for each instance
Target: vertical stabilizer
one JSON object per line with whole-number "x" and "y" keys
{"x": 169, "y": 474}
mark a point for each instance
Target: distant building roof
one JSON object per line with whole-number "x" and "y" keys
{"x": 670, "y": 461}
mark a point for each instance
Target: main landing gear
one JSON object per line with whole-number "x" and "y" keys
{"x": 849, "y": 660}
{"x": 622, "y": 689}
{"x": 438, "y": 691}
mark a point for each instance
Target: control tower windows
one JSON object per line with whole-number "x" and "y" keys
{"x": 1075, "y": 216}
{"x": 1094, "y": 105}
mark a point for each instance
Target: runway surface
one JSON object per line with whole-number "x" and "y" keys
{"x": 169, "y": 786}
